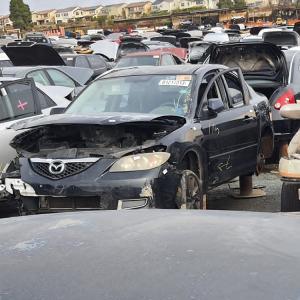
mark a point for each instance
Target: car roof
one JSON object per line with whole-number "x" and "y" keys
{"x": 8, "y": 79}
{"x": 22, "y": 70}
{"x": 160, "y": 70}
{"x": 149, "y": 53}
{"x": 151, "y": 254}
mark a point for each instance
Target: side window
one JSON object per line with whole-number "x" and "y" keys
{"x": 167, "y": 60}
{"x": 216, "y": 91}
{"x": 17, "y": 100}
{"x": 39, "y": 77}
{"x": 45, "y": 101}
{"x": 234, "y": 90}
{"x": 96, "y": 62}
{"x": 60, "y": 79}
{"x": 82, "y": 62}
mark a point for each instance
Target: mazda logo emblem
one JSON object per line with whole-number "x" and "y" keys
{"x": 56, "y": 167}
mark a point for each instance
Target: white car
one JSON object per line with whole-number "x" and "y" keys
{"x": 22, "y": 100}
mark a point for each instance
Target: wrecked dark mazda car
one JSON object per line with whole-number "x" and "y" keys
{"x": 142, "y": 137}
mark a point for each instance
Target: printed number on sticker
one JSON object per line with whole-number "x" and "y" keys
{"x": 174, "y": 82}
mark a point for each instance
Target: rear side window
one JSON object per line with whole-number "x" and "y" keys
{"x": 60, "y": 79}
{"x": 234, "y": 89}
{"x": 82, "y": 62}
{"x": 16, "y": 101}
{"x": 130, "y": 61}
{"x": 40, "y": 77}
{"x": 96, "y": 62}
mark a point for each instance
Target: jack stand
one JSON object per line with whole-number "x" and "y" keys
{"x": 246, "y": 189}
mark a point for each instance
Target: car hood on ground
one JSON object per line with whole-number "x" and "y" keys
{"x": 257, "y": 60}
{"x": 103, "y": 119}
{"x": 151, "y": 254}
{"x": 31, "y": 54}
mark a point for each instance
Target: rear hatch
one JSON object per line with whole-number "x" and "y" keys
{"x": 263, "y": 64}
{"x": 32, "y": 54}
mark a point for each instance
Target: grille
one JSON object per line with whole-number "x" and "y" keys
{"x": 71, "y": 168}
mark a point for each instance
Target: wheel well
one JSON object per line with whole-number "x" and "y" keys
{"x": 191, "y": 162}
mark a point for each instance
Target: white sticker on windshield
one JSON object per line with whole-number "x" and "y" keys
{"x": 174, "y": 82}
{"x": 69, "y": 58}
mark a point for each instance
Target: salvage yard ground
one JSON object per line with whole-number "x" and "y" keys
{"x": 269, "y": 181}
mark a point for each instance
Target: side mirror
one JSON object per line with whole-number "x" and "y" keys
{"x": 215, "y": 105}
{"x": 57, "y": 110}
{"x": 290, "y": 111}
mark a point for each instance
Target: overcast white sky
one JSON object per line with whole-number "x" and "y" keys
{"x": 46, "y": 4}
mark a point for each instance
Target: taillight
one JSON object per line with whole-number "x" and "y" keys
{"x": 287, "y": 97}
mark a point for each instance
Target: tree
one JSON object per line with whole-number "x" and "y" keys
{"x": 101, "y": 20}
{"x": 240, "y": 4}
{"x": 232, "y": 4}
{"x": 225, "y": 4}
{"x": 20, "y": 14}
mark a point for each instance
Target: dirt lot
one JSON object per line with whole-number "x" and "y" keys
{"x": 220, "y": 198}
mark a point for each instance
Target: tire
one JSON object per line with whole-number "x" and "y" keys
{"x": 290, "y": 197}
{"x": 189, "y": 194}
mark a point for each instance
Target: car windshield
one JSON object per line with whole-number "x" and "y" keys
{"x": 280, "y": 38}
{"x": 131, "y": 61}
{"x": 36, "y": 39}
{"x": 69, "y": 60}
{"x": 166, "y": 95}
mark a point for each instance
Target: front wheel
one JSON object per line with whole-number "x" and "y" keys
{"x": 189, "y": 194}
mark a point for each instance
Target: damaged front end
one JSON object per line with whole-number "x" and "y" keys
{"x": 92, "y": 166}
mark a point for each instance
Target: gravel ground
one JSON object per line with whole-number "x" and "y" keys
{"x": 220, "y": 198}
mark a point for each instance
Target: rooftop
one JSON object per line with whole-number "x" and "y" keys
{"x": 157, "y": 2}
{"x": 115, "y": 5}
{"x": 66, "y": 9}
{"x": 137, "y": 4}
{"x": 90, "y": 7}
{"x": 41, "y": 12}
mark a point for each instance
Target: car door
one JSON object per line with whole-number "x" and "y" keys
{"x": 245, "y": 117}
{"x": 18, "y": 102}
{"x": 224, "y": 141}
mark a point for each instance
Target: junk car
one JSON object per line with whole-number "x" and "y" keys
{"x": 142, "y": 137}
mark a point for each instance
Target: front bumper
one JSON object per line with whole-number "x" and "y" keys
{"x": 94, "y": 188}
